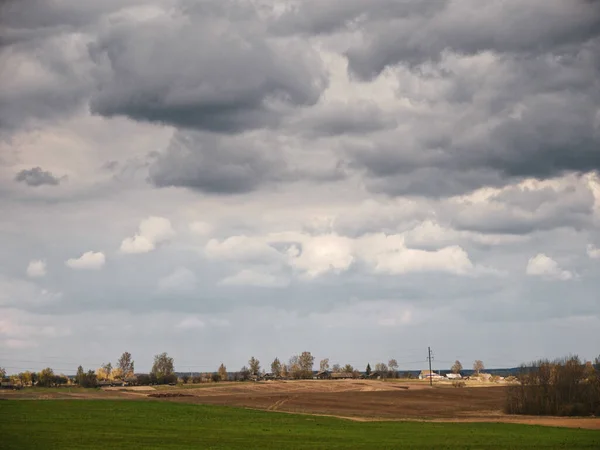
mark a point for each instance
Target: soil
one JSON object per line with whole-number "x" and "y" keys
{"x": 363, "y": 400}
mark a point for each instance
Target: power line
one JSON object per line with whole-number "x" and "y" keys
{"x": 430, "y": 357}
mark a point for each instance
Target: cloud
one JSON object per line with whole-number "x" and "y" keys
{"x": 37, "y": 177}
{"x": 593, "y": 252}
{"x": 337, "y": 118}
{"x": 87, "y": 261}
{"x": 311, "y": 256}
{"x": 47, "y": 72}
{"x": 152, "y": 231}
{"x": 23, "y": 294}
{"x": 181, "y": 279}
{"x": 503, "y": 27}
{"x": 200, "y": 228}
{"x": 251, "y": 277}
{"x": 389, "y": 254}
{"x": 543, "y": 266}
{"x": 36, "y": 269}
{"x": 520, "y": 209}
{"x": 190, "y": 323}
{"x": 197, "y": 87}
{"x": 214, "y": 164}
{"x": 319, "y": 255}
{"x": 243, "y": 249}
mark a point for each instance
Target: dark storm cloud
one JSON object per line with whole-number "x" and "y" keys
{"x": 336, "y": 119}
{"x": 37, "y": 177}
{"x": 468, "y": 27}
{"x": 43, "y": 79}
{"x": 30, "y": 16}
{"x": 521, "y": 118}
{"x": 208, "y": 69}
{"x": 327, "y": 16}
{"x": 209, "y": 163}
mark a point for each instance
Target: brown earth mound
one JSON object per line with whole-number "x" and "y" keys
{"x": 170, "y": 395}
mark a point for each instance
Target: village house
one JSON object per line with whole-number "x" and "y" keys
{"x": 342, "y": 375}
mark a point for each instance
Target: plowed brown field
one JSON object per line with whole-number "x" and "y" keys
{"x": 352, "y": 399}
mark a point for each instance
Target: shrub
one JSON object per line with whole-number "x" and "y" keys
{"x": 459, "y": 384}
{"x": 143, "y": 379}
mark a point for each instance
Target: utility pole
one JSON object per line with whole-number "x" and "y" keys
{"x": 429, "y": 358}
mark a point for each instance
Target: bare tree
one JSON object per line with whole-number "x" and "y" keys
{"x": 306, "y": 362}
{"x": 244, "y": 373}
{"x": 478, "y": 366}
{"x": 294, "y": 367}
{"x": 2, "y": 373}
{"x": 126, "y": 364}
{"x": 222, "y": 372}
{"x": 336, "y": 368}
{"x": 276, "y": 367}
{"x": 284, "y": 371}
{"x": 456, "y": 367}
{"x": 254, "y": 365}
{"x": 107, "y": 370}
{"x": 381, "y": 368}
{"x": 324, "y": 365}
{"x": 393, "y": 365}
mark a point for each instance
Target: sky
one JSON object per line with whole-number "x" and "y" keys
{"x": 221, "y": 179}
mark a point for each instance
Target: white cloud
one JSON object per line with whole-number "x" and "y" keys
{"x": 322, "y": 254}
{"x": 389, "y": 254}
{"x": 189, "y": 323}
{"x": 242, "y": 249}
{"x": 200, "y": 228}
{"x": 543, "y": 266}
{"x": 87, "y": 261}
{"x": 36, "y": 268}
{"x": 250, "y": 277}
{"x": 152, "y": 231}
{"x": 181, "y": 279}
{"x": 593, "y": 252}
{"x": 314, "y": 256}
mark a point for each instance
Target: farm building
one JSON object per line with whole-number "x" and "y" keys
{"x": 454, "y": 376}
{"x": 323, "y": 375}
{"x": 427, "y": 374}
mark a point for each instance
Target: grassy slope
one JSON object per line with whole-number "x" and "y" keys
{"x": 130, "y": 424}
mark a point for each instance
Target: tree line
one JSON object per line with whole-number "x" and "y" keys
{"x": 299, "y": 366}
{"x": 563, "y": 387}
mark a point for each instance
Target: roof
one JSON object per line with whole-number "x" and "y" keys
{"x": 342, "y": 375}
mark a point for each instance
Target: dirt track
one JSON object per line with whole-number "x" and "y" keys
{"x": 363, "y": 400}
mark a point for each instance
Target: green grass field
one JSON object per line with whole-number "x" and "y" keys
{"x": 105, "y": 424}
